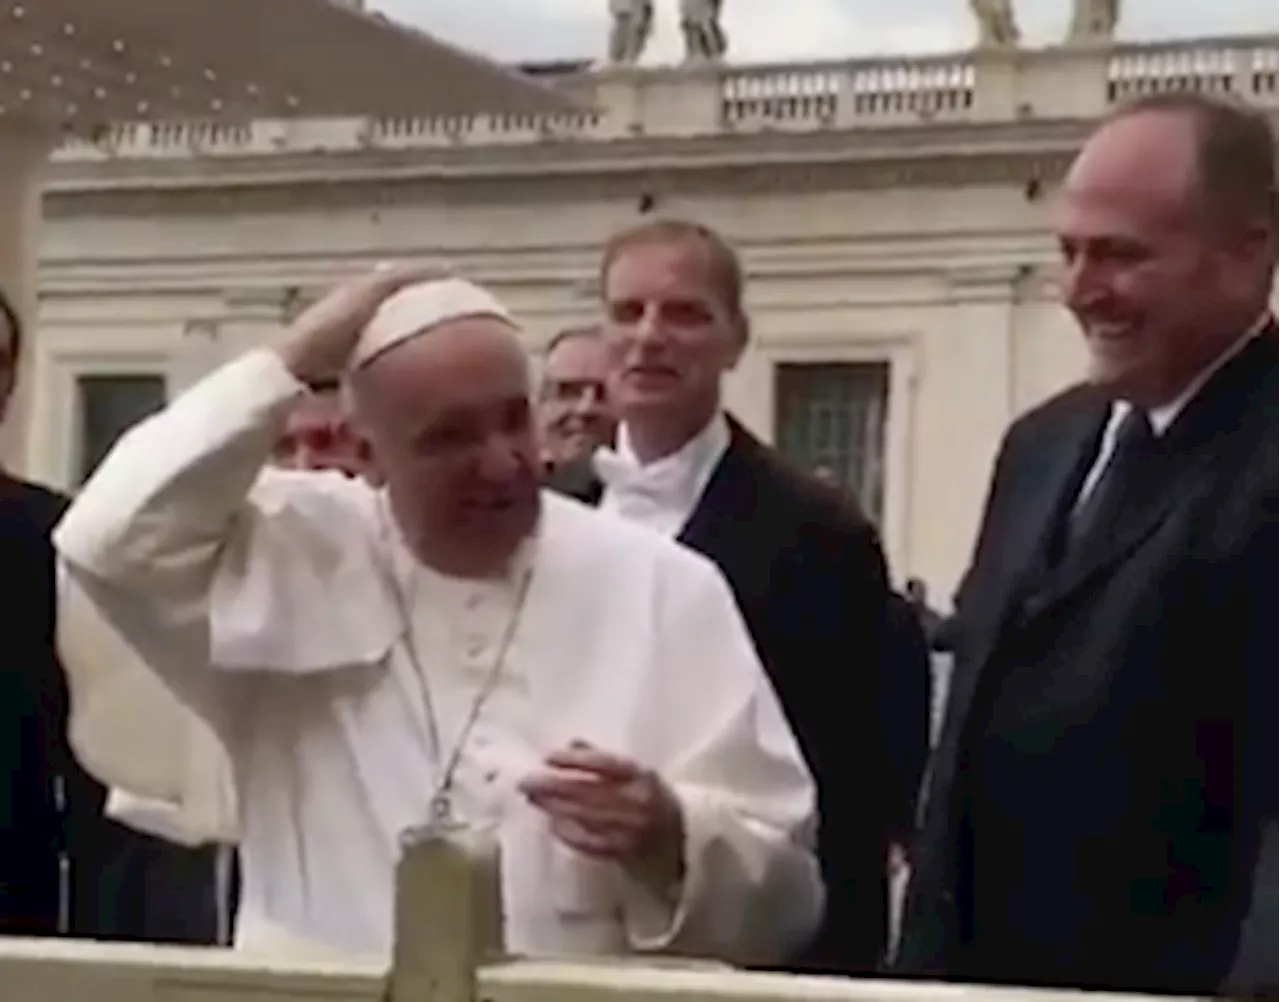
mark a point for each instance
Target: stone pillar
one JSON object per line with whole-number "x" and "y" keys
{"x": 1012, "y": 84}
{"x": 684, "y": 101}
{"x": 965, "y": 401}
{"x": 22, "y": 162}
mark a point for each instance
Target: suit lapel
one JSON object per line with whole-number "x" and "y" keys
{"x": 1141, "y": 515}
{"x": 1045, "y": 489}
{"x": 712, "y": 524}
{"x": 1197, "y": 440}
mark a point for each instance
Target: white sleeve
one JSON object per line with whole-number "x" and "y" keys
{"x": 752, "y": 892}
{"x": 181, "y": 496}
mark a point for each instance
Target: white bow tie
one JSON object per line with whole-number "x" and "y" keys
{"x": 623, "y": 475}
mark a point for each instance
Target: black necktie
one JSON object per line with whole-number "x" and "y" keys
{"x": 1136, "y": 442}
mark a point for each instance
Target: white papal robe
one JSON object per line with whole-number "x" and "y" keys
{"x": 277, "y": 605}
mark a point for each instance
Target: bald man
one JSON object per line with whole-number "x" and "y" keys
{"x": 453, "y": 645}
{"x": 1107, "y": 767}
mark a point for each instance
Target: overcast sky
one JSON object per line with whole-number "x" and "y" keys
{"x": 520, "y": 30}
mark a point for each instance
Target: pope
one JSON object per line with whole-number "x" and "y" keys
{"x": 445, "y": 639}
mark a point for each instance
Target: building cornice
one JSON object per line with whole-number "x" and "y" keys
{"x": 567, "y": 157}
{"x": 935, "y": 157}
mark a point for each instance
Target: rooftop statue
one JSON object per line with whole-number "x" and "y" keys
{"x": 632, "y": 24}
{"x": 997, "y": 23}
{"x": 1094, "y": 20}
{"x": 704, "y": 37}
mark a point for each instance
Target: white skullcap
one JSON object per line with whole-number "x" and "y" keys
{"x": 416, "y": 309}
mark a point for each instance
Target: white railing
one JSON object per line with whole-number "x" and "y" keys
{"x": 445, "y": 927}
{"x": 802, "y": 97}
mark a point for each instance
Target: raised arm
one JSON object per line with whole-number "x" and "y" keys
{"x": 182, "y": 502}
{"x": 145, "y": 537}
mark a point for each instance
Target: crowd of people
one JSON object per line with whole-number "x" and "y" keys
{"x": 403, "y": 582}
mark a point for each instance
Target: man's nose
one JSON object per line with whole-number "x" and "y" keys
{"x": 500, "y": 459}
{"x": 588, "y": 400}
{"x": 306, "y": 458}
{"x": 1079, "y": 284}
{"x": 650, "y": 329}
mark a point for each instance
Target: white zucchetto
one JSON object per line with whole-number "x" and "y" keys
{"x": 416, "y": 309}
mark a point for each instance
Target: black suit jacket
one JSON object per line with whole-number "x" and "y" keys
{"x": 907, "y": 698}
{"x": 1109, "y": 754}
{"x": 38, "y": 778}
{"x": 809, "y": 577}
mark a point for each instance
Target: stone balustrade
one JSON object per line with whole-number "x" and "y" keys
{"x": 446, "y": 930}
{"x": 958, "y": 88}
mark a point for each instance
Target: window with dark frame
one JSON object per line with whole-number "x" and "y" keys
{"x": 108, "y": 405}
{"x": 829, "y": 417}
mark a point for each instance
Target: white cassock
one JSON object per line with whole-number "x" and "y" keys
{"x": 284, "y": 609}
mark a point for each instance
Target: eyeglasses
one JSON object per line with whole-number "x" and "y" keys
{"x": 573, "y": 390}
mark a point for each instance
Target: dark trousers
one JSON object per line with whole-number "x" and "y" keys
{"x": 132, "y": 886}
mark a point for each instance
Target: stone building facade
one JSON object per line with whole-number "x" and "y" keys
{"x": 891, "y": 214}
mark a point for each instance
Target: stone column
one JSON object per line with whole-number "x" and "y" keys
{"x": 23, "y": 158}
{"x": 965, "y": 402}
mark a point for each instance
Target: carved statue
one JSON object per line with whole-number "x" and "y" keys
{"x": 997, "y": 24}
{"x": 1094, "y": 20}
{"x": 632, "y": 25}
{"x": 704, "y": 37}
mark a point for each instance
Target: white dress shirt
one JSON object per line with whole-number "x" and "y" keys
{"x": 661, "y": 495}
{"x": 1161, "y": 417}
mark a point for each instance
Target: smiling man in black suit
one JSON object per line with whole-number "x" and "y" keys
{"x": 1108, "y": 763}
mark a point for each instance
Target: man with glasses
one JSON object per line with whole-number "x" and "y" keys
{"x": 574, "y": 415}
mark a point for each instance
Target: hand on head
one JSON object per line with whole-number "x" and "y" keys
{"x": 322, "y": 338}
{"x": 439, "y": 387}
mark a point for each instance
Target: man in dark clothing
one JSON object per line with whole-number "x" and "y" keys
{"x": 574, "y": 417}
{"x": 34, "y": 759}
{"x": 1107, "y": 767}
{"x": 917, "y": 595}
{"x": 51, "y": 810}
{"x": 907, "y": 694}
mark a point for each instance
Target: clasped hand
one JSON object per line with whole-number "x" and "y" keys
{"x": 610, "y": 808}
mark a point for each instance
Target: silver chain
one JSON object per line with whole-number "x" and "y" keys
{"x": 440, "y": 806}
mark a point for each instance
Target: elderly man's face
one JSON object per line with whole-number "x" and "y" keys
{"x": 318, "y": 436}
{"x": 573, "y": 407}
{"x": 1147, "y": 275}
{"x": 451, "y": 427}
